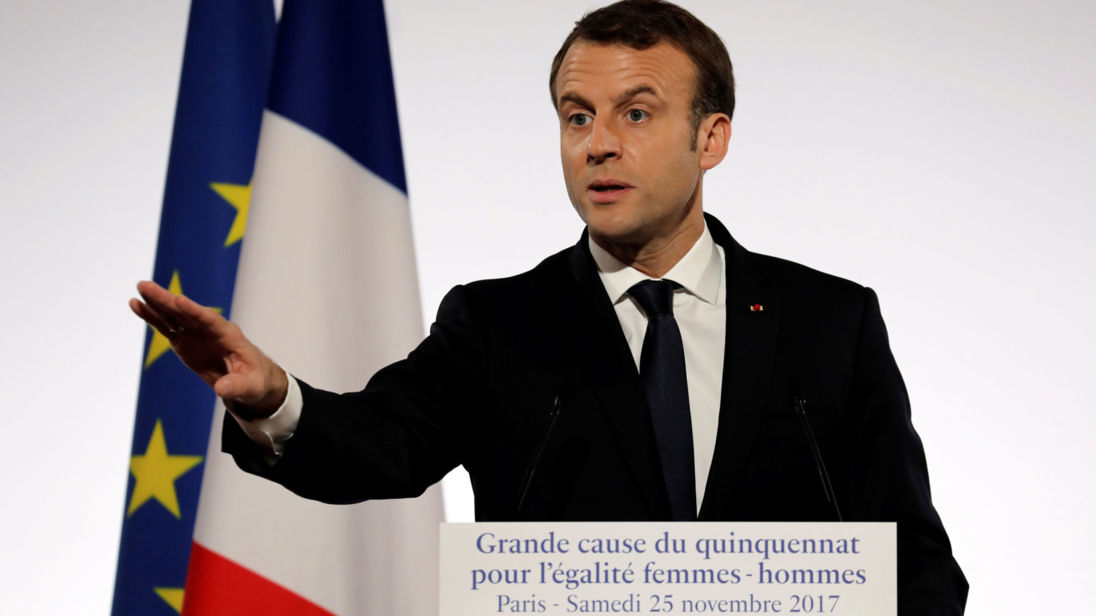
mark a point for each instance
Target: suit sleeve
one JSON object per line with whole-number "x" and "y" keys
{"x": 889, "y": 478}
{"x": 400, "y": 434}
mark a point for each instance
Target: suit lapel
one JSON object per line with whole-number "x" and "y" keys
{"x": 747, "y": 367}
{"x": 604, "y": 355}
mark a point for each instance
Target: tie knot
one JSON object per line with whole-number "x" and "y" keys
{"x": 655, "y": 296}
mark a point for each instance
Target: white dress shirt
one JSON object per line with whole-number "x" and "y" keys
{"x": 700, "y": 308}
{"x": 700, "y": 311}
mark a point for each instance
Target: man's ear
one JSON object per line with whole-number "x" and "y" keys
{"x": 713, "y": 137}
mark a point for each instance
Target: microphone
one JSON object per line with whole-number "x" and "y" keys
{"x": 800, "y": 407}
{"x": 565, "y": 388}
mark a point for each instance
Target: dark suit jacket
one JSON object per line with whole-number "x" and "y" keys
{"x": 528, "y": 382}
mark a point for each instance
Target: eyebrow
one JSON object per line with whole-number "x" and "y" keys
{"x": 618, "y": 101}
{"x": 634, "y": 92}
{"x": 574, "y": 98}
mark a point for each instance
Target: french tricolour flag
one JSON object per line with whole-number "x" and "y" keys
{"x": 327, "y": 287}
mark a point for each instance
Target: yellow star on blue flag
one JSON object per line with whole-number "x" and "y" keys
{"x": 171, "y": 596}
{"x": 156, "y": 471}
{"x": 239, "y": 197}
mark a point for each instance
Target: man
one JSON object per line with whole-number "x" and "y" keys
{"x": 582, "y": 390}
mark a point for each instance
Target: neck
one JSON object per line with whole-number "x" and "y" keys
{"x": 657, "y": 255}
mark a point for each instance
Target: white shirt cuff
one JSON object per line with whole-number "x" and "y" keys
{"x": 271, "y": 433}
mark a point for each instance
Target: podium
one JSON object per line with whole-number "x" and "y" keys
{"x": 839, "y": 569}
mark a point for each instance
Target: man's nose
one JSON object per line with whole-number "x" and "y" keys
{"x": 602, "y": 144}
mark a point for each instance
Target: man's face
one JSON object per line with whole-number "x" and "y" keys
{"x": 626, "y": 142}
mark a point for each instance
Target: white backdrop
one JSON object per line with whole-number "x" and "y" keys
{"x": 940, "y": 152}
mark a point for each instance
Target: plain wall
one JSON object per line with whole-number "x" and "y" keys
{"x": 940, "y": 152}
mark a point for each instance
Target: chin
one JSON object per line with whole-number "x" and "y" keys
{"x": 618, "y": 233}
{"x": 614, "y": 222}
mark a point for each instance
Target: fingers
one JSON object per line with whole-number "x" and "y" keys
{"x": 159, "y": 303}
{"x": 149, "y": 315}
{"x": 171, "y": 313}
{"x": 166, "y": 324}
{"x": 193, "y": 314}
{"x": 155, "y": 295}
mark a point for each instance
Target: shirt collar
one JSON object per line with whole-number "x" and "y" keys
{"x": 700, "y": 271}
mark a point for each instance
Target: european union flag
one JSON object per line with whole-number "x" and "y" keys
{"x": 222, "y": 92}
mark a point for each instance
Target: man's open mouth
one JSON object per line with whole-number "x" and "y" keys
{"x": 607, "y": 186}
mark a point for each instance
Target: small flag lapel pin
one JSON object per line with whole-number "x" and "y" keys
{"x": 756, "y": 308}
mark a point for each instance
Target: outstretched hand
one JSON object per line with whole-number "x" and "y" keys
{"x": 215, "y": 349}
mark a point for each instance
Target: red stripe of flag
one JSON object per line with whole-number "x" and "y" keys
{"x": 217, "y": 586}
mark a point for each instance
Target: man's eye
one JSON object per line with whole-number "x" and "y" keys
{"x": 637, "y": 115}
{"x": 580, "y": 119}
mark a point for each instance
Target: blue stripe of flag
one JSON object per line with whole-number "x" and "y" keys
{"x": 333, "y": 75}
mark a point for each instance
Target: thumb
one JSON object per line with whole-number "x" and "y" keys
{"x": 234, "y": 392}
{"x": 245, "y": 394}
{"x": 227, "y": 387}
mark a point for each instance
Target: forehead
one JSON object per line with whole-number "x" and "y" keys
{"x": 662, "y": 67}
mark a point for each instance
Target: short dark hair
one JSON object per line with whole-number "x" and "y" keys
{"x": 641, "y": 24}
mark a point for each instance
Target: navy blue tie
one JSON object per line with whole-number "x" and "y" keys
{"x": 662, "y": 367}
